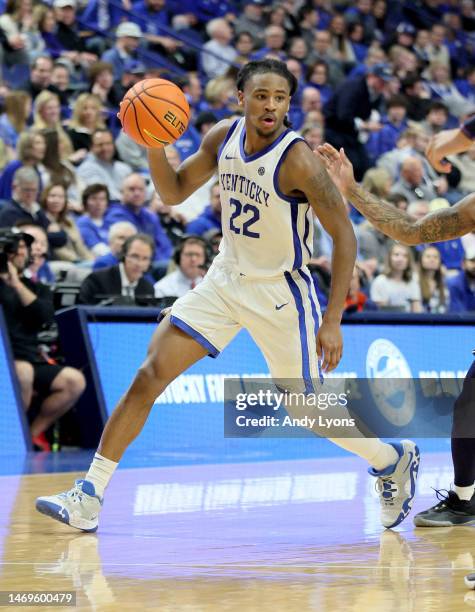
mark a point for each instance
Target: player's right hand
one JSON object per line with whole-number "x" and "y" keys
{"x": 338, "y": 166}
{"x": 438, "y": 148}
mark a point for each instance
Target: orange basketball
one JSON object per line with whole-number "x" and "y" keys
{"x": 154, "y": 113}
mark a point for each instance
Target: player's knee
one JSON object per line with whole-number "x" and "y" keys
{"x": 153, "y": 373}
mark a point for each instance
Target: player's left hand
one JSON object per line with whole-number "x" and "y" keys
{"x": 329, "y": 345}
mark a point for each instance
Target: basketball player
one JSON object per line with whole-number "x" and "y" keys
{"x": 458, "y": 507}
{"x": 270, "y": 181}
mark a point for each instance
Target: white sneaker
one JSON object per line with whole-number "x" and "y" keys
{"x": 78, "y": 507}
{"x": 470, "y": 581}
{"x": 396, "y": 485}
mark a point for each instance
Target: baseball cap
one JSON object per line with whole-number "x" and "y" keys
{"x": 64, "y": 3}
{"x": 406, "y": 28}
{"x": 255, "y": 2}
{"x": 134, "y": 67}
{"x": 382, "y": 71}
{"x": 127, "y": 28}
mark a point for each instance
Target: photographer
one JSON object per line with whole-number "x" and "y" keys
{"x": 28, "y": 307}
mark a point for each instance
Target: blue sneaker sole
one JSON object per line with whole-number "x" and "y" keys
{"x": 52, "y": 510}
{"x": 407, "y": 505}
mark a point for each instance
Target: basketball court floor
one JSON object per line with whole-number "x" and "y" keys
{"x": 271, "y": 536}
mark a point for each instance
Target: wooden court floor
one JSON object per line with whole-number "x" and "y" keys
{"x": 267, "y": 537}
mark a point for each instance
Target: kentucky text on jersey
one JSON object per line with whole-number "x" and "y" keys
{"x": 241, "y": 184}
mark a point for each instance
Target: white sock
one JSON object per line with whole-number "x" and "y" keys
{"x": 465, "y": 493}
{"x": 100, "y": 472}
{"x": 378, "y": 454}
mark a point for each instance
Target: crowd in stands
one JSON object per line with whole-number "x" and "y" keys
{"x": 377, "y": 77}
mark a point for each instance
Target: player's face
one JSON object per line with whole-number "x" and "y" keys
{"x": 266, "y": 101}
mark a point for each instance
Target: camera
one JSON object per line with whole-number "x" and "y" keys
{"x": 9, "y": 241}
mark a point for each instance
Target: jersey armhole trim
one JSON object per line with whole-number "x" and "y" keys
{"x": 290, "y": 199}
{"x": 227, "y": 137}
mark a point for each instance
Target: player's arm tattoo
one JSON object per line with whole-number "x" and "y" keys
{"x": 322, "y": 189}
{"x": 441, "y": 225}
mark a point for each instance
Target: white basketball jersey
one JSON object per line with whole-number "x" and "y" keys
{"x": 265, "y": 232}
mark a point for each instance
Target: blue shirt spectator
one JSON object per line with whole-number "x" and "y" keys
{"x": 210, "y": 218}
{"x": 462, "y": 287}
{"x": 128, "y": 36}
{"x": 133, "y": 210}
{"x": 92, "y": 226}
{"x": 451, "y": 253}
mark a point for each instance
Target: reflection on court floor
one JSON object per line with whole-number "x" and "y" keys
{"x": 276, "y": 536}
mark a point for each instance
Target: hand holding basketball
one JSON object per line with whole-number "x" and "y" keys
{"x": 154, "y": 113}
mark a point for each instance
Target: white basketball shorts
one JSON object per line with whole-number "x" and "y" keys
{"x": 282, "y": 314}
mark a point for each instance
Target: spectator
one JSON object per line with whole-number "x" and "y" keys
{"x": 356, "y": 38}
{"x": 274, "y": 42}
{"x": 393, "y": 125}
{"x": 125, "y": 282}
{"x": 191, "y": 260}
{"x": 252, "y": 20}
{"x": 61, "y": 80}
{"x": 95, "y": 201}
{"x": 46, "y": 23}
{"x": 436, "y": 118}
{"x": 313, "y": 134}
{"x": 211, "y": 216}
{"x": 128, "y": 37}
{"x": 20, "y": 29}
{"x": 437, "y": 50}
{"x": 55, "y": 206}
{"x": 133, "y": 209}
{"x": 412, "y": 182}
{"x": 322, "y": 51}
{"x": 466, "y": 164}
{"x": 307, "y": 18}
{"x": 31, "y": 147}
{"x": 116, "y": 236}
{"x": 442, "y": 87}
{"x": 13, "y": 121}
{"x": 361, "y": 14}
{"x": 349, "y": 110}
{"x": 101, "y": 84}
{"x": 219, "y": 96}
{"x": 38, "y": 269}
{"x": 28, "y": 307}
{"x": 60, "y": 170}
{"x": 397, "y": 287}
{"x": 244, "y": 45}
{"x": 24, "y": 206}
{"x": 341, "y": 47}
{"x": 356, "y": 300}
{"x": 432, "y": 281}
{"x": 417, "y": 95}
{"x": 48, "y": 116}
{"x": 462, "y": 287}
{"x": 224, "y": 53}
{"x": 317, "y": 76}
{"x": 40, "y": 77}
{"x": 100, "y": 167}
{"x": 86, "y": 119}
{"x": 68, "y": 35}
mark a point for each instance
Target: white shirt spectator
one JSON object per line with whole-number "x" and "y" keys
{"x": 394, "y": 292}
{"x": 175, "y": 284}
